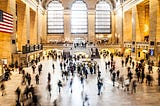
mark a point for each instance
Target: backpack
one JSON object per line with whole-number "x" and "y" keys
{"x": 134, "y": 83}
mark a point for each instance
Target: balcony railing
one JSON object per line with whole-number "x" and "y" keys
{"x": 109, "y": 46}
{"x": 31, "y": 48}
{"x": 127, "y": 44}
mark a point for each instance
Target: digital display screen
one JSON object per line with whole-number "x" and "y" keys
{"x": 152, "y": 43}
{"x": 151, "y": 52}
{"x": 133, "y": 49}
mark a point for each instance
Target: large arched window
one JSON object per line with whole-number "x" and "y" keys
{"x": 103, "y": 17}
{"x": 79, "y": 17}
{"x": 55, "y": 21}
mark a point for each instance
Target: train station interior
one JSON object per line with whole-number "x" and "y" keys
{"x": 79, "y": 52}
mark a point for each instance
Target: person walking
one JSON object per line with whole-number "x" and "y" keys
{"x": 122, "y": 63}
{"x": 40, "y": 69}
{"x": 118, "y": 72}
{"x": 126, "y": 83}
{"x": 3, "y": 89}
{"x": 138, "y": 75}
{"x": 33, "y": 68}
{"x": 59, "y": 85}
{"x": 70, "y": 84}
{"x": 37, "y": 79}
{"x": 61, "y": 65}
{"x": 134, "y": 85}
{"x": 130, "y": 75}
{"x": 53, "y": 67}
{"x": 121, "y": 80}
{"x": 99, "y": 74}
{"x": 26, "y": 91}
{"x": 133, "y": 63}
{"x": 49, "y": 89}
{"x": 49, "y": 77}
{"x": 85, "y": 99}
{"x": 82, "y": 80}
{"x": 94, "y": 68}
{"x": 114, "y": 77}
{"x": 29, "y": 79}
{"x": 99, "y": 86}
{"x": 106, "y": 65}
{"x": 23, "y": 80}
{"x": 18, "y": 92}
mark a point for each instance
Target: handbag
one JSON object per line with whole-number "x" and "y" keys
{"x": 126, "y": 82}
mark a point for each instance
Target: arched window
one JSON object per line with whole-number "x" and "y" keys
{"x": 103, "y": 17}
{"x": 79, "y": 17}
{"x": 55, "y": 20}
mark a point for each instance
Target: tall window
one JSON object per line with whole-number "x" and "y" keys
{"x": 55, "y": 19}
{"x": 79, "y": 17}
{"x": 103, "y": 17}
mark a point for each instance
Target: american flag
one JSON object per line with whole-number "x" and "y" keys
{"x": 6, "y": 22}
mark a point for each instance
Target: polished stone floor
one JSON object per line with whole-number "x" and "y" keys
{"x": 111, "y": 96}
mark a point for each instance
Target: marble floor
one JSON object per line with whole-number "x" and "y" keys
{"x": 111, "y": 96}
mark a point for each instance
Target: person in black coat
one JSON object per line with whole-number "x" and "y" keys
{"x": 99, "y": 86}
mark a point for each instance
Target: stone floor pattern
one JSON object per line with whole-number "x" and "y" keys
{"x": 111, "y": 96}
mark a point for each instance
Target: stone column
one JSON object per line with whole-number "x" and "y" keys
{"x": 27, "y": 24}
{"x": 153, "y": 27}
{"x": 91, "y": 25}
{"x": 39, "y": 25}
{"x": 158, "y": 33}
{"x": 134, "y": 20}
{"x": 140, "y": 22}
{"x": 67, "y": 25}
{"x": 21, "y": 23}
{"x": 114, "y": 38}
{"x": 44, "y": 27}
{"x": 13, "y": 47}
{"x": 33, "y": 26}
{"x": 134, "y": 13}
{"x": 158, "y": 21}
{"x": 119, "y": 24}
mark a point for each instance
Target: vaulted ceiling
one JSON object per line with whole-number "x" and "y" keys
{"x": 67, "y": 3}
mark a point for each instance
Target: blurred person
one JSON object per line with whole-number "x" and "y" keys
{"x": 33, "y": 68}
{"x": 37, "y": 79}
{"x": 70, "y": 84}
{"x": 134, "y": 85}
{"x": 40, "y": 68}
{"x": 99, "y": 86}
{"x": 53, "y": 67}
{"x": 18, "y": 92}
{"x": 59, "y": 85}
{"x": 3, "y": 89}
{"x": 49, "y": 77}
{"x": 49, "y": 89}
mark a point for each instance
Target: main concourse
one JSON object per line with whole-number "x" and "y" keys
{"x": 79, "y": 52}
{"x": 111, "y": 95}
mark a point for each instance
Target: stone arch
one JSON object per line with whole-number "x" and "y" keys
{"x": 67, "y": 3}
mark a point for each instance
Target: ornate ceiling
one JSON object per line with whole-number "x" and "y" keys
{"x": 67, "y": 3}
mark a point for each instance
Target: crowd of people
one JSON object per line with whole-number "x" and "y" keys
{"x": 70, "y": 67}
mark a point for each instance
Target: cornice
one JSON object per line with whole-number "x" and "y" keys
{"x": 127, "y": 5}
{"x": 130, "y": 4}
